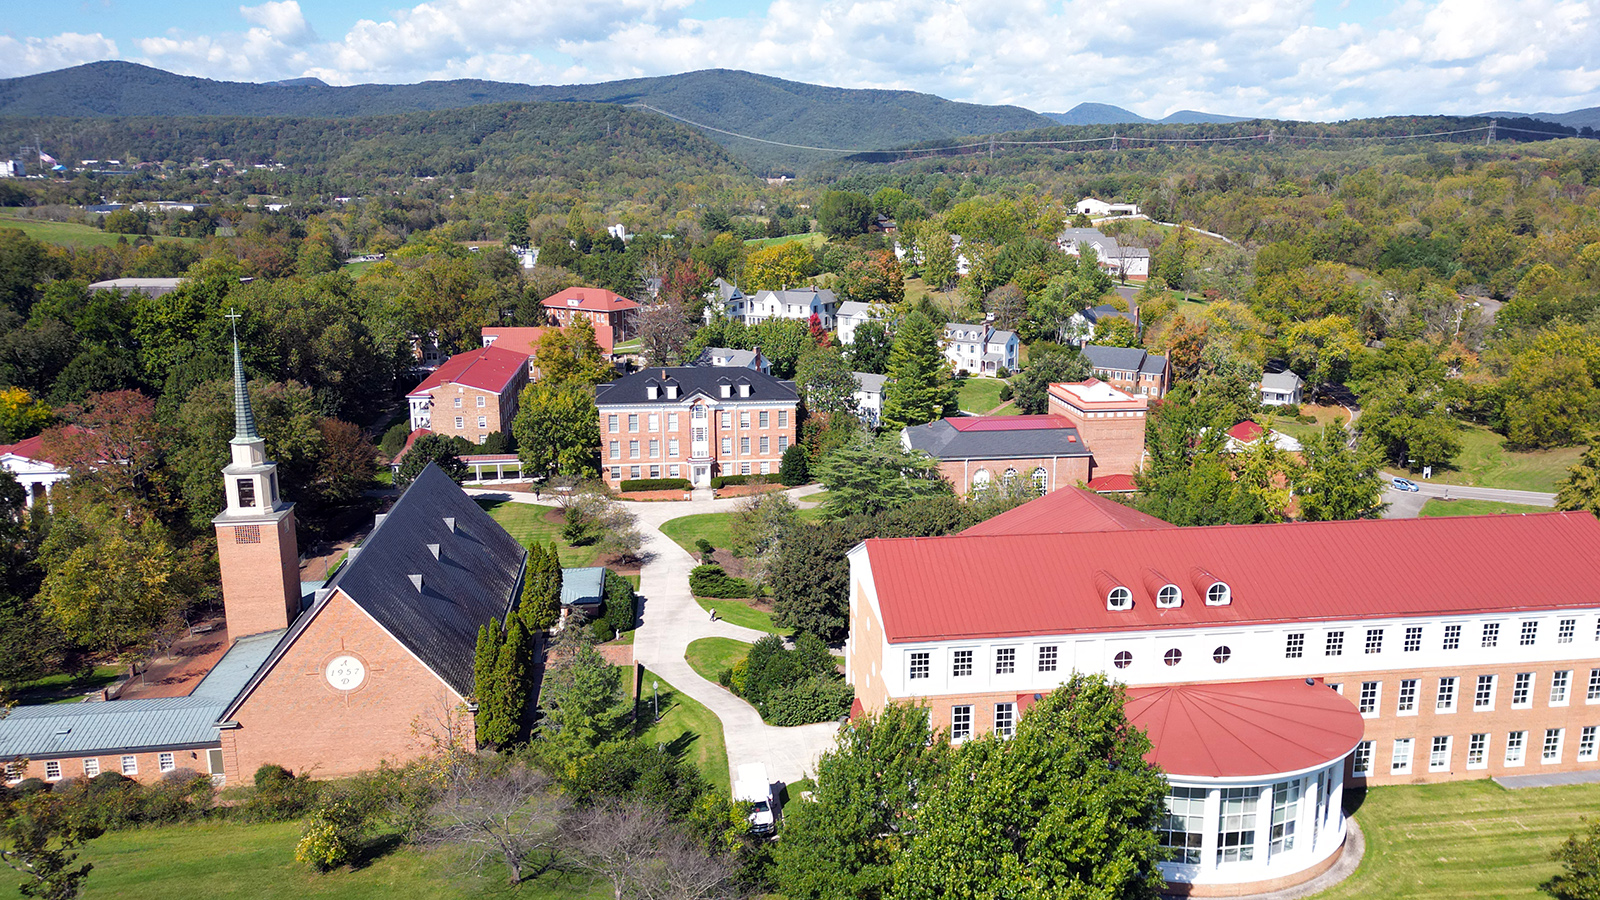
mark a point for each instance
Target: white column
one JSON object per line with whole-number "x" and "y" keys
{"x": 1263, "y": 824}
{"x": 1303, "y": 827}
{"x": 1213, "y": 823}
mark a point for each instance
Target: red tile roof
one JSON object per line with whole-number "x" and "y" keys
{"x": 526, "y": 340}
{"x": 1008, "y": 423}
{"x": 486, "y": 368}
{"x": 592, "y": 299}
{"x": 1066, "y": 511}
{"x": 1246, "y": 431}
{"x": 1244, "y": 729}
{"x": 952, "y": 587}
{"x": 1111, "y": 484}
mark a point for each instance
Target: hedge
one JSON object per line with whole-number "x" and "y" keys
{"x": 655, "y": 484}
{"x": 726, "y": 480}
{"x": 711, "y": 581}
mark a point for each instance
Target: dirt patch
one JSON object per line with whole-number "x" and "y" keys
{"x": 745, "y": 490}
{"x": 617, "y": 654}
{"x": 733, "y": 565}
{"x": 556, "y": 516}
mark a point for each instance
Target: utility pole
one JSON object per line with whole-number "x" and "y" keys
{"x": 1113, "y": 141}
{"x": 1489, "y": 139}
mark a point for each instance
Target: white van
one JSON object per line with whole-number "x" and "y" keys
{"x": 753, "y": 787}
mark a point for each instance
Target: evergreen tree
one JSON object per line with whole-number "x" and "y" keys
{"x": 866, "y": 477}
{"x": 484, "y": 658}
{"x": 795, "y": 469}
{"x": 506, "y": 703}
{"x": 869, "y": 351}
{"x": 541, "y": 589}
{"x": 1581, "y": 490}
{"x": 920, "y": 389}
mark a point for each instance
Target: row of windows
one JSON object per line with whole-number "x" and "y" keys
{"x": 1182, "y": 829}
{"x": 483, "y": 422}
{"x": 1005, "y": 662}
{"x": 652, "y": 421}
{"x": 982, "y": 480}
{"x": 1478, "y": 748}
{"x": 1411, "y": 641}
{"x": 91, "y": 767}
{"x": 636, "y": 472}
{"x": 482, "y": 401}
{"x": 1447, "y": 688}
{"x": 654, "y": 446}
{"x": 1005, "y": 721}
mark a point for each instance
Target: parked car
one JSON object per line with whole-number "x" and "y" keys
{"x": 1400, "y": 484}
{"x": 754, "y": 788}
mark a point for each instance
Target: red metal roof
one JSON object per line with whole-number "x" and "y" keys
{"x": 33, "y": 448}
{"x": 526, "y": 340}
{"x": 1065, "y": 511}
{"x": 592, "y": 299}
{"x": 1009, "y": 585}
{"x": 1008, "y": 423}
{"x": 1246, "y": 431}
{"x": 1111, "y": 484}
{"x": 486, "y": 368}
{"x": 1244, "y": 729}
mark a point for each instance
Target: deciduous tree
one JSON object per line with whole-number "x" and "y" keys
{"x": 558, "y": 429}
{"x": 1340, "y": 479}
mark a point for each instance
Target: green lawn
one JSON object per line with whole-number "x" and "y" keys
{"x": 221, "y": 860}
{"x": 714, "y": 527}
{"x": 812, "y": 240}
{"x": 710, "y": 656}
{"x": 1485, "y": 462}
{"x": 525, "y": 522}
{"x": 1466, "y": 839}
{"x": 739, "y": 612}
{"x": 687, "y": 727}
{"x": 71, "y": 234}
{"x": 979, "y": 395}
{"x": 64, "y": 687}
{"x": 1435, "y": 508}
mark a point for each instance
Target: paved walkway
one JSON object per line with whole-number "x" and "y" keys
{"x": 671, "y": 619}
{"x": 1556, "y": 779}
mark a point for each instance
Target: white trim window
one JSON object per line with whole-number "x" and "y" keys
{"x": 1333, "y": 644}
{"x": 1491, "y": 634}
{"x": 1182, "y": 830}
{"x": 91, "y": 767}
{"x": 1439, "y": 754}
{"x": 1368, "y": 701}
{"x": 1406, "y": 700}
{"x": 1236, "y": 825}
{"x": 1285, "y": 815}
{"x": 52, "y": 770}
{"x": 1483, "y": 696}
{"x": 960, "y": 663}
{"x": 166, "y": 762}
{"x": 921, "y": 665}
{"x": 1294, "y": 646}
{"x": 130, "y": 765}
{"x": 1413, "y": 638}
{"x": 960, "y": 722}
{"x": 1049, "y": 657}
{"x": 1566, "y": 630}
{"x": 1560, "y": 682}
{"x": 1551, "y": 752}
{"x": 1522, "y": 691}
{"x": 1445, "y": 700}
{"x": 1005, "y": 719}
{"x": 1593, "y": 695}
{"x": 1478, "y": 751}
{"x": 1529, "y": 634}
{"x": 1516, "y": 747}
{"x": 1361, "y": 760}
{"x": 1400, "y": 756}
{"x": 1005, "y": 661}
{"x": 1374, "y": 640}
{"x": 1587, "y": 744}
{"x": 1452, "y": 637}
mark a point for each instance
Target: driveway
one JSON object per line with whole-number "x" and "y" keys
{"x": 670, "y": 620}
{"x": 1408, "y": 504}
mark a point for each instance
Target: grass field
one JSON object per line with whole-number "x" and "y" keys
{"x": 688, "y": 728}
{"x": 979, "y": 395}
{"x": 71, "y": 234}
{"x": 1302, "y": 431}
{"x": 65, "y": 687}
{"x": 222, "y": 860}
{"x": 525, "y": 522}
{"x": 1485, "y": 462}
{"x": 812, "y": 240}
{"x": 709, "y": 656}
{"x": 1437, "y": 508}
{"x": 739, "y": 612}
{"x": 714, "y": 527}
{"x": 1466, "y": 839}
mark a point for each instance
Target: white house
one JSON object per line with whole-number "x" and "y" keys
{"x": 850, "y": 316}
{"x": 869, "y": 397}
{"x": 618, "y": 231}
{"x": 1089, "y": 206}
{"x": 799, "y": 304}
{"x": 37, "y": 474}
{"x": 1083, "y": 322}
{"x": 728, "y": 358}
{"x": 1280, "y": 388}
{"x": 980, "y": 349}
{"x": 1125, "y": 262}
{"x": 727, "y": 298}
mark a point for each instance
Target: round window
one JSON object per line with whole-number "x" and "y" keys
{"x": 1172, "y": 657}
{"x": 1119, "y": 598}
{"x": 1221, "y": 654}
{"x": 1122, "y": 660}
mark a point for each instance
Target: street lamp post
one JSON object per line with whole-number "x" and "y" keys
{"x": 655, "y": 699}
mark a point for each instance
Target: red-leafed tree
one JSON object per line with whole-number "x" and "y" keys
{"x": 113, "y": 446}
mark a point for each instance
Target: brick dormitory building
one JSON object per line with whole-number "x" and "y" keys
{"x": 694, "y": 422}
{"x": 1271, "y": 665}
{"x": 330, "y": 678}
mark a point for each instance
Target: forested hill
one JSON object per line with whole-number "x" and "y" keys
{"x": 548, "y": 145}
{"x": 755, "y": 105}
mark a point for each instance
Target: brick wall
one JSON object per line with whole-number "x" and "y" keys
{"x": 260, "y": 575}
{"x": 1115, "y": 437}
{"x": 1063, "y": 471}
{"x": 727, "y": 463}
{"x": 294, "y": 718}
{"x": 147, "y": 764}
{"x": 864, "y": 655}
{"x": 498, "y": 410}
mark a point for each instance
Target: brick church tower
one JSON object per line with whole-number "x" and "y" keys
{"x": 255, "y": 535}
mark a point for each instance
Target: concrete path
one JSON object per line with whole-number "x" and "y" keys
{"x": 1408, "y": 504}
{"x": 1555, "y": 779}
{"x": 671, "y": 619}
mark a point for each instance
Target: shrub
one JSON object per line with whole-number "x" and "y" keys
{"x": 815, "y": 699}
{"x": 1005, "y": 392}
{"x": 705, "y": 548}
{"x": 654, "y": 484}
{"x": 1306, "y": 420}
{"x": 621, "y": 608}
{"x": 578, "y": 527}
{"x": 279, "y": 795}
{"x": 394, "y": 440}
{"x": 602, "y": 631}
{"x": 795, "y": 469}
{"x": 722, "y": 481}
{"x": 1288, "y": 409}
{"x": 711, "y": 581}
{"x": 1002, "y": 372}
{"x": 332, "y": 836}
{"x": 181, "y": 795}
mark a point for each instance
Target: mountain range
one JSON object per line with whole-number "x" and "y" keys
{"x": 770, "y": 124}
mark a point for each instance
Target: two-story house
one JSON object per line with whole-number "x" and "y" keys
{"x": 980, "y": 349}
{"x": 598, "y": 305}
{"x": 694, "y": 422}
{"x": 472, "y": 395}
{"x": 799, "y": 304}
{"x": 1131, "y": 370}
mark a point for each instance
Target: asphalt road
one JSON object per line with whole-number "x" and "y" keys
{"x": 1408, "y": 504}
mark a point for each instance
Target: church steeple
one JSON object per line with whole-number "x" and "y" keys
{"x": 256, "y": 542}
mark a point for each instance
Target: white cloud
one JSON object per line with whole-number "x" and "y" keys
{"x": 1245, "y": 57}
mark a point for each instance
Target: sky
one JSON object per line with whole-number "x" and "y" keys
{"x": 1294, "y": 59}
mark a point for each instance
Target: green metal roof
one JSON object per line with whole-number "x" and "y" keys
{"x": 584, "y": 586}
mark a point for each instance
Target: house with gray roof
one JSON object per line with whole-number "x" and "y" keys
{"x": 980, "y": 349}
{"x": 1133, "y": 370}
{"x": 1124, "y": 262}
{"x": 869, "y": 397}
{"x": 731, "y": 358}
{"x": 1281, "y": 388}
{"x": 850, "y": 315}
{"x": 1084, "y": 321}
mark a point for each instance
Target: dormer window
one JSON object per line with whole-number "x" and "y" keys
{"x": 650, "y": 391}
{"x": 672, "y": 392}
{"x": 727, "y": 389}
{"x": 744, "y": 389}
{"x": 1119, "y": 598}
{"x": 1218, "y": 595}
{"x": 1169, "y": 597}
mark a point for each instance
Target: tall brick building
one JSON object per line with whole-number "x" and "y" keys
{"x": 329, "y": 678}
{"x": 694, "y": 422}
{"x": 473, "y": 395}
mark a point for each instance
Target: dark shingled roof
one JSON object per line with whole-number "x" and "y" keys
{"x": 943, "y": 440}
{"x": 473, "y": 577}
{"x": 692, "y": 379}
{"x": 1124, "y": 359}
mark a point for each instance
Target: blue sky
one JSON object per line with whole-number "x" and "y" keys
{"x": 1308, "y": 59}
